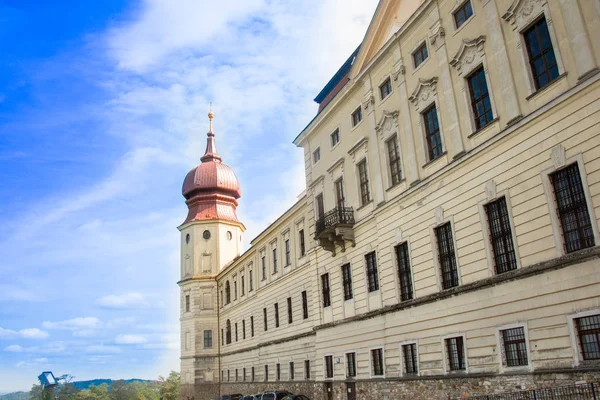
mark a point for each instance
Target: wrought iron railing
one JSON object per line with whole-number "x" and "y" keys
{"x": 586, "y": 391}
{"x": 337, "y": 216}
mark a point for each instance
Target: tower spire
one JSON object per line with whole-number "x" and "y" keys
{"x": 211, "y": 148}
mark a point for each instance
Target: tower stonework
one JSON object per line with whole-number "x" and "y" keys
{"x": 211, "y": 237}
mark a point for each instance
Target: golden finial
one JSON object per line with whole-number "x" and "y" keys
{"x": 211, "y": 115}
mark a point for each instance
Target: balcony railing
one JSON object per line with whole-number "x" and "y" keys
{"x": 333, "y": 218}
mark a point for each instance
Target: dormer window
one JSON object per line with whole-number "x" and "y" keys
{"x": 357, "y": 116}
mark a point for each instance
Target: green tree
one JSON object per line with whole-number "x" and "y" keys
{"x": 169, "y": 389}
{"x": 67, "y": 392}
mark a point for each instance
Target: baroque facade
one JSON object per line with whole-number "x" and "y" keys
{"x": 447, "y": 244}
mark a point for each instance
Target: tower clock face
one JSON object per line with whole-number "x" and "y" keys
{"x": 206, "y": 234}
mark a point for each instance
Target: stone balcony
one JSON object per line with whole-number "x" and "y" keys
{"x": 335, "y": 228}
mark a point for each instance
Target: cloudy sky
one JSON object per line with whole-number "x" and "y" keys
{"x": 102, "y": 112}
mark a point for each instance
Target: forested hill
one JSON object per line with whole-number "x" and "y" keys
{"x": 84, "y": 385}
{"x": 15, "y": 396}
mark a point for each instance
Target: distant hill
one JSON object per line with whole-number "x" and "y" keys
{"x": 81, "y": 385}
{"x": 15, "y": 396}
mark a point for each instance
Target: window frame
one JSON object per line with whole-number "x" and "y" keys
{"x": 304, "y": 304}
{"x": 265, "y": 320}
{"x": 187, "y": 303}
{"x": 316, "y": 155}
{"x": 419, "y": 49}
{"x": 428, "y": 146}
{"x": 364, "y": 189}
{"x": 458, "y": 9}
{"x": 208, "y": 339}
{"x": 436, "y": 253}
{"x": 276, "y": 314}
{"x": 409, "y": 273}
{"x": 252, "y": 326}
{"x": 306, "y": 369}
{"x": 372, "y": 365}
{"x": 530, "y": 58}
{"x": 326, "y": 290}
{"x": 446, "y": 358}
{"x": 290, "y": 311}
{"x": 357, "y": 111}
{"x": 502, "y": 360}
{"x": 291, "y": 371}
{"x": 302, "y": 243}
{"x": 332, "y": 135}
{"x": 347, "y": 365}
{"x": 374, "y": 271}
{"x": 288, "y": 252}
{"x": 396, "y": 161}
{"x": 475, "y": 74}
{"x": 274, "y": 260}
{"x": 326, "y": 366}
{"x": 578, "y": 359}
{"x": 346, "y": 271}
{"x": 386, "y": 83}
{"x": 403, "y": 371}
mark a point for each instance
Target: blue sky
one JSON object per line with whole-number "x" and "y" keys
{"x": 102, "y": 112}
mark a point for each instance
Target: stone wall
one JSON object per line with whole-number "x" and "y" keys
{"x": 314, "y": 390}
{"x": 199, "y": 392}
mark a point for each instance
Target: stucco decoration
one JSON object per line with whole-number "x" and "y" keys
{"x": 437, "y": 34}
{"x": 399, "y": 69}
{"x": 522, "y": 12}
{"x": 424, "y": 93}
{"x": 559, "y": 156}
{"x": 388, "y": 122}
{"x": 359, "y": 150}
{"x": 469, "y": 55}
{"x": 369, "y": 101}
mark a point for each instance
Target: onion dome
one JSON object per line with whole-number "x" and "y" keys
{"x": 211, "y": 189}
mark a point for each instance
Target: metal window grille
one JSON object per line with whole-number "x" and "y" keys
{"x": 275, "y": 261}
{"x": 572, "y": 209}
{"x": 463, "y": 14}
{"x": 302, "y": 245}
{"x": 187, "y": 303}
{"x": 236, "y": 374}
{"x": 541, "y": 54}
{"x": 207, "y": 339}
{"x": 411, "y": 362}
{"x": 350, "y": 365}
{"x": 222, "y": 337}
{"x": 357, "y": 116}
{"x": 501, "y": 236}
{"x": 243, "y": 286}
{"x": 456, "y": 354}
{"x": 420, "y": 55}
{"x": 328, "y": 366}
{"x": 386, "y": 88}
{"x": 278, "y": 367}
{"x": 236, "y": 332}
{"x": 304, "y": 305}
{"x": 228, "y": 375}
{"x": 252, "y": 326}
{"x": 394, "y": 160}
{"x": 432, "y": 133}
{"x": 244, "y": 374}
{"x": 372, "y": 273}
{"x": 326, "y": 290}
{"x": 363, "y": 177}
{"x": 253, "y": 375}
{"x": 243, "y": 329}
{"x": 289, "y": 307}
{"x": 588, "y": 330}
{"x": 276, "y": 307}
{"x": 377, "y": 361}
{"x": 266, "y": 373}
{"x": 404, "y": 276}
{"x": 515, "y": 347}
{"x": 480, "y": 99}
{"x": 347, "y": 281}
{"x": 228, "y": 332}
{"x": 339, "y": 193}
{"x": 265, "y": 318}
{"x": 307, "y": 369}
{"x": 446, "y": 256}
{"x": 291, "y": 370}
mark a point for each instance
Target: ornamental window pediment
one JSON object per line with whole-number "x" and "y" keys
{"x": 469, "y": 55}
{"x": 424, "y": 94}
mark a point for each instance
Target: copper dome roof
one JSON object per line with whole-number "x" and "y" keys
{"x": 211, "y": 176}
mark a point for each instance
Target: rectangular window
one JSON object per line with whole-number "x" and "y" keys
{"x": 411, "y": 362}
{"x": 244, "y": 374}
{"x": 187, "y": 303}
{"x": 320, "y": 207}
{"x": 501, "y": 236}
{"x": 304, "y": 305}
{"x": 394, "y": 160}
{"x": 446, "y": 256}
{"x": 404, "y": 275}
{"x": 288, "y": 257}
{"x": 363, "y": 177}
{"x": 250, "y": 281}
{"x": 278, "y": 369}
{"x": 289, "y": 304}
{"x": 463, "y": 14}
{"x": 236, "y": 374}
{"x": 236, "y": 332}
{"x": 252, "y": 326}
{"x": 357, "y": 116}
{"x": 588, "y": 332}
{"x": 207, "y": 339}
{"x": 243, "y": 329}
{"x": 335, "y": 137}
{"x": 326, "y": 290}
{"x": 347, "y": 281}
{"x": 253, "y": 374}
{"x": 222, "y": 337}
{"x": 266, "y": 373}
{"x": 263, "y": 263}
{"x": 385, "y": 88}
{"x": 514, "y": 346}
{"x": 228, "y": 375}
{"x": 328, "y": 366}
{"x": 339, "y": 193}
{"x": 456, "y": 354}
{"x": 302, "y": 245}
{"x": 235, "y": 290}
{"x": 306, "y": 369}
{"x": 480, "y": 99}
{"x": 432, "y": 133}
{"x": 276, "y": 308}
{"x": 243, "y": 287}
{"x": 372, "y": 273}
{"x": 275, "y": 260}
{"x": 420, "y": 55}
{"x": 541, "y": 54}
{"x": 377, "y": 362}
{"x": 350, "y": 365}
{"x": 265, "y": 318}
{"x": 291, "y": 371}
{"x": 317, "y": 155}
{"x": 572, "y": 209}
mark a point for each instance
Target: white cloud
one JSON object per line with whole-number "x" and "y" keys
{"x": 127, "y": 300}
{"x": 28, "y": 333}
{"x": 130, "y": 339}
{"x": 14, "y": 348}
{"x": 74, "y": 324}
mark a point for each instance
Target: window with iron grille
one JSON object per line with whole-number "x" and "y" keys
{"x": 228, "y": 375}
{"x": 363, "y": 177}
{"x": 317, "y": 155}
{"x": 463, "y": 14}
{"x": 291, "y": 371}
{"x": 276, "y": 307}
{"x": 278, "y": 369}
{"x": 372, "y": 273}
{"x": 588, "y": 332}
{"x": 288, "y": 258}
{"x": 404, "y": 275}
{"x": 350, "y": 365}
{"x": 266, "y": 373}
{"x": 236, "y": 374}
{"x": 302, "y": 245}
{"x": 480, "y": 99}
{"x": 420, "y": 55}
{"x": 410, "y": 359}
{"x": 515, "y": 347}
{"x": 456, "y": 354}
{"x": 394, "y": 160}
{"x": 187, "y": 303}
{"x": 263, "y": 263}
{"x": 275, "y": 260}
{"x": 541, "y": 54}
{"x": 236, "y": 332}
{"x": 385, "y": 88}
{"x": 222, "y": 337}
{"x": 207, "y": 339}
{"x": 335, "y": 137}
{"x": 265, "y": 318}
{"x": 252, "y": 374}
{"x": 250, "y": 281}
{"x": 339, "y": 193}
{"x": 252, "y": 326}
{"x": 228, "y": 332}
{"x": 289, "y": 304}
{"x": 432, "y": 133}
{"x": 377, "y": 362}
{"x": 243, "y": 286}
{"x": 243, "y": 329}
{"x": 328, "y": 366}
{"x": 326, "y": 290}
{"x": 304, "y": 305}
{"x": 357, "y": 116}
{"x": 446, "y": 256}
{"x": 306, "y": 369}
{"x": 347, "y": 281}
{"x": 244, "y": 374}
{"x": 501, "y": 236}
{"x": 572, "y": 209}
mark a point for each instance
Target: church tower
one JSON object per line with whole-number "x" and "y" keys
{"x": 211, "y": 237}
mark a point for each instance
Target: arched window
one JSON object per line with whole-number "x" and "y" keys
{"x": 228, "y": 332}
{"x": 227, "y": 293}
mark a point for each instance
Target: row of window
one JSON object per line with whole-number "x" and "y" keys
{"x": 226, "y": 374}
{"x": 228, "y": 334}
{"x": 572, "y": 212}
